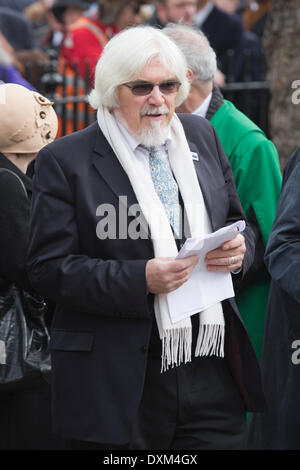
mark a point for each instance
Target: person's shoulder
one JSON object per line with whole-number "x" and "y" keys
{"x": 81, "y": 31}
{"x": 227, "y": 19}
{"x": 12, "y": 187}
{"x": 154, "y": 21}
{"x": 188, "y": 119}
{"x": 218, "y": 13}
{"x": 292, "y": 167}
{"x": 9, "y": 14}
{"x": 240, "y": 132}
{"x": 72, "y": 146}
{"x": 85, "y": 26}
{"x": 8, "y": 180}
{"x": 195, "y": 125}
{"x": 234, "y": 117}
{"x": 76, "y": 138}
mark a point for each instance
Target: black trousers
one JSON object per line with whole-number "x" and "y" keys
{"x": 195, "y": 406}
{"x": 72, "y": 444}
{"x": 25, "y": 420}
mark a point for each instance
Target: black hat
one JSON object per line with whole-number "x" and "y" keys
{"x": 59, "y": 6}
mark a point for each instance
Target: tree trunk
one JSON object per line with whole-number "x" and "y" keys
{"x": 282, "y": 48}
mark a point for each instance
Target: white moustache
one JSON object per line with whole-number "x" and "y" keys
{"x": 154, "y": 110}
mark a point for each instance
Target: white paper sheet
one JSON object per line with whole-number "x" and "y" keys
{"x": 204, "y": 288}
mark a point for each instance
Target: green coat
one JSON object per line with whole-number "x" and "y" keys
{"x": 255, "y": 165}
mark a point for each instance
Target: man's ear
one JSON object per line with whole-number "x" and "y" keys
{"x": 190, "y": 75}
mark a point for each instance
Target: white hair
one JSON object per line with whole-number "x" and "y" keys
{"x": 124, "y": 57}
{"x": 194, "y": 45}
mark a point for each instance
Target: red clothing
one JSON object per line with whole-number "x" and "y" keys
{"x": 86, "y": 41}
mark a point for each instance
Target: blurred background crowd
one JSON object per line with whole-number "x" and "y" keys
{"x": 53, "y": 46}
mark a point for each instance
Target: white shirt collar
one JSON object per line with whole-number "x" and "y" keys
{"x": 131, "y": 141}
{"x": 203, "y": 108}
{"x": 202, "y": 14}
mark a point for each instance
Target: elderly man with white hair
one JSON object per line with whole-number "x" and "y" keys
{"x": 254, "y": 162}
{"x": 105, "y": 232}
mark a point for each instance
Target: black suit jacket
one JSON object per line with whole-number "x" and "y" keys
{"x": 277, "y": 429}
{"x": 225, "y": 32}
{"x": 102, "y": 325}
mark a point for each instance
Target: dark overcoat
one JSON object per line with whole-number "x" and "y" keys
{"x": 25, "y": 415}
{"x": 278, "y": 428}
{"x": 14, "y": 223}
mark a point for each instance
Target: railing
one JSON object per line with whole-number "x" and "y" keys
{"x": 251, "y": 97}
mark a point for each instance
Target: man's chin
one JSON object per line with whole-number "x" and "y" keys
{"x": 150, "y": 134}
{"x": 154, "y": 126}
{"x": 154, "y": 135}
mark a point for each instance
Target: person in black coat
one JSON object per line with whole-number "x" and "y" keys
{"x": 27, "y": 123}
{"x": 278, "y": 428}
{"x": 225, "y": 32}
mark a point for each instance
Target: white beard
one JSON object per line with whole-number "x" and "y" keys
{"x": 152, "y": 136}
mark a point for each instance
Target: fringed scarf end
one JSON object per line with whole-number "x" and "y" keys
{"x": 210, "y": 340}
{"x": 176, "y": 347}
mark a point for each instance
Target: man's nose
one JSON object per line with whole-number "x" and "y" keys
{"x": 156, "y": 97}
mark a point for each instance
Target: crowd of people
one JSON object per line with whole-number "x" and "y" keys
{"x": 79, "y": 29}
{"x": 97, "y": 232}
{"x": 76, "y": 31}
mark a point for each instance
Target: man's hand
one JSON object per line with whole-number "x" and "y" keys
{"x": 229, "y": 257}
{"x": 164, "y": 275}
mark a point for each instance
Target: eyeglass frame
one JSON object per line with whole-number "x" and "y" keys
{"x": 164, "y": 82}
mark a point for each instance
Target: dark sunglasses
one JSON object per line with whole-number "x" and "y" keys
{"x": 145, "y": 88}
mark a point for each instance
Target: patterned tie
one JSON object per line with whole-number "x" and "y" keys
{"x": 165, "y": 186}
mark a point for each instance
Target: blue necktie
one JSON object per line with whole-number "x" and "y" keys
{"x": 165, "y": 186}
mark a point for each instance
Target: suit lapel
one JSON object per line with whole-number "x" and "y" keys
{"x": 110, "y": 169}
{"x": 112, "y": 172}
{"x": 203, "y": 177}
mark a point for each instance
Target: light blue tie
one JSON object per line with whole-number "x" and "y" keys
{"x": 165, "y": 185}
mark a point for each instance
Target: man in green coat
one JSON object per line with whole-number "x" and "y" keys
{"x": 254, "y": 162}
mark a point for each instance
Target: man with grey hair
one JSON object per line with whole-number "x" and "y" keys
{"x": 254, "y": 161}
{"x": 105, "y": 233}
{"x": 202, "y": 67}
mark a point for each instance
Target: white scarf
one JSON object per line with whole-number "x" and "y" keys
{"x": 176, "y": 338}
